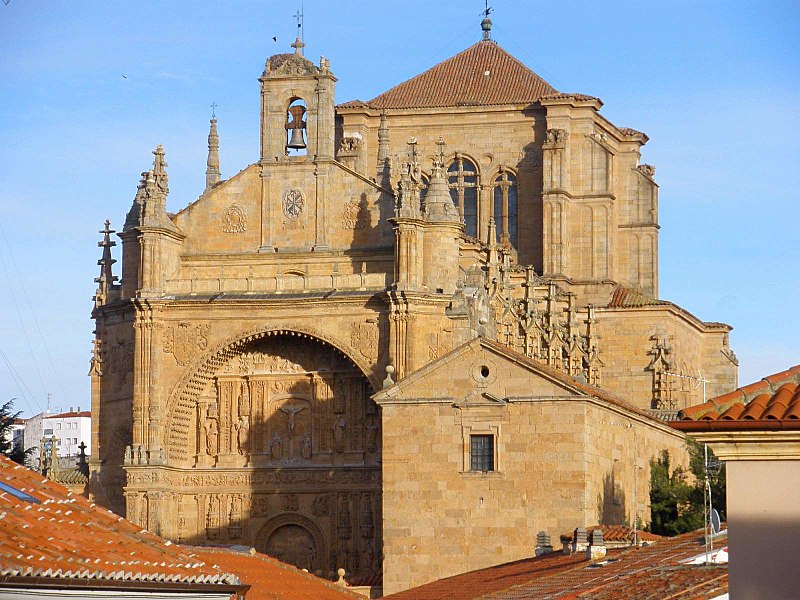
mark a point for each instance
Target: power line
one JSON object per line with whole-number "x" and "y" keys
{"x": 20, "y": 383}
{"x": 33, "y": 314}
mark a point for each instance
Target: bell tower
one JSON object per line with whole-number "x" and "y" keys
{"x": 297, "y": 107}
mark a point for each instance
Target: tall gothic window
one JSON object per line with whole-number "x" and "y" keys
{"x": 462, "y": 178}
{"x": 505, "y": 207}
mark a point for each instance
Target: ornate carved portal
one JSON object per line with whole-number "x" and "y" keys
{"x": 292, "y": 409}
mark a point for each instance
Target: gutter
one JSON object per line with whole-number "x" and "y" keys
{"x": 740, "y": 425}
{"x": 52, "y": 583}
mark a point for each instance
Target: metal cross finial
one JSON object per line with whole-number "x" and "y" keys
{"x": 214, "y": 110}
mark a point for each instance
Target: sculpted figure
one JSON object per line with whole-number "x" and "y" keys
{"x": 305, "y": 446}
{"x": 212, "y": 436}
{"x": 275, "y": 447}
{"x": 338, "y": 433}
{"x": 372, "y": 436}
{"x": 242, "y": 430}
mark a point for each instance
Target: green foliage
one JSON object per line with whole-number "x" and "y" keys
{"x": 7, "y": 418}
{"x": 715, "y": 479}
{"x": 672, "y": 500}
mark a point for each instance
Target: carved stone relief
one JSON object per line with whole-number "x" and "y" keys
{"x": 184, "y": 341}
{"x": 234, "y": 219}
{"x": 293, "y": 204}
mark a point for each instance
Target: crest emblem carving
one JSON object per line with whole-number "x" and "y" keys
{"x": 350, "y": 216}
{"x": 293, "y": 204}
{"x": 234, "y": 220}
{"x": 364, "y": 338}
{"x": 184, "y": 341}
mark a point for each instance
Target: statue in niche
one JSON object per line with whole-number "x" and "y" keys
{"x": 372, "y": 435}
{"x": 242, "y": 433}
{"x": 339, "y": 425}
{"x": 338, "y": 397}
{"x": 276, "y": 447}
{"x": 212, "y": 436}
{"x": 244, "y": 399}
{"x": 305, "y": 446}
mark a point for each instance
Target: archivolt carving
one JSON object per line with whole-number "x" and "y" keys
{"x": 182, "y": 401}
{"x": 281, "y": 520}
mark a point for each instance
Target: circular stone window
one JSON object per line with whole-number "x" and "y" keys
{"x": 484, "y": 371}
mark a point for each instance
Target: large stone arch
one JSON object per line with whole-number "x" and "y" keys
{"x": 291, "y": 519}
{"x": 181, "y": 403}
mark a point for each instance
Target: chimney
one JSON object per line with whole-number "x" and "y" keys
{"x": 543, "y": 545}
{"x": 70, "y": 409}
{"x": 597, "y": 548}
{"x": 580, "y": 541}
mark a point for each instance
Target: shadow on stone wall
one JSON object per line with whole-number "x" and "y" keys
{"x": 611, "y": 502}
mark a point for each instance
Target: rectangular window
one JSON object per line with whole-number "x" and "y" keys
{"x": 58, "y": 425}
{"x": 48, "y": 432}
{"x": 481, "y": 452}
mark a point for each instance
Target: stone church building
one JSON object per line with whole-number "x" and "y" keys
{"x": 415, "y": 332}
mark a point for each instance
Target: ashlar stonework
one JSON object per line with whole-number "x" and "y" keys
{"x": 489, "y": 242}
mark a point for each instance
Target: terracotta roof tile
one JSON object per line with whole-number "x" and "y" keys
{"x": 57, "y": 534}
{"x": 271, "y": 579}
{"x": 654, "y": 571}
{"x": 72, "y": 413}
{"x": 616, "y": 533}
{"x": 773, "y": 402}
{"x": 623, "y": 297}
{"x": 482, "y": 75}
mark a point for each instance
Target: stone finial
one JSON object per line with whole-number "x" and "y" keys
{"x": 106, "y": 279}
{"x": 383, "y": 141}
{"x": 340, "y": 572}
{"x": 439, "y": 207}
{"x": 212, "y": 164}
{"x": 388, "y": 382}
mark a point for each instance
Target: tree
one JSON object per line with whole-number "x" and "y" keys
{"x": 676, "y": 506}
{"x": 7, "y": 419}
{"x": 671, "y": 499}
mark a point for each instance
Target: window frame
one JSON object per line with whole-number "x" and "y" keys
{"x": 469, "y": 429}
{"x": 479, "y": 454}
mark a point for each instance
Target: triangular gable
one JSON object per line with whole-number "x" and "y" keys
{"x": 484, "y": 372}
{"x": 482, "y": 75}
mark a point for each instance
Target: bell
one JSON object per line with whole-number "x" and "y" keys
{"x": 296, "y": 126}
{"x": 296, "y": 141}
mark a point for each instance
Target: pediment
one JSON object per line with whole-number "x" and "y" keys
{"x": 482, "y": 372}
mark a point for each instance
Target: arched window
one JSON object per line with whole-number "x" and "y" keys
{"x": 505, "y": 207}
{"x": 462, "y": 178}
{"x": 296, "y": 136}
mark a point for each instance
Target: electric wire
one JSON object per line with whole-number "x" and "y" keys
{"x": 21, "y": 320}
{"x": 33, "y": 314}
{"x": 20, "y": 383}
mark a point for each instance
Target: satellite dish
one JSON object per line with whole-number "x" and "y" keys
{"x": 715, "y": 522}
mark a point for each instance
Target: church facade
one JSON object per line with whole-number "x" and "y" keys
{"x": 412, "y": 323}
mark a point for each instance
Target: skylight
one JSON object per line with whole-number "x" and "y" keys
{"x": 18, "y": 493}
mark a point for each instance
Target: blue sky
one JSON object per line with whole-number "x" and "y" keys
{"x": 716, "y": 86}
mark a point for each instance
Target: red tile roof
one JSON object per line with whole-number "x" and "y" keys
{"x": 654, "y": 571}
{"x": 771, "y": 403}
{"x": 623, "y": 297}
{"x": 60, "y": 535}
{"x": 484, "y": 74}
{"x": 270, "y": 579}
{"x": 72, "y": 413}
{"x": 616, "y": 533}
